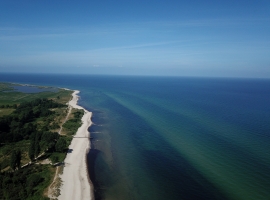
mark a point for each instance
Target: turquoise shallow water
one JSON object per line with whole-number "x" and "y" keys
{"x": 174, "y": 138}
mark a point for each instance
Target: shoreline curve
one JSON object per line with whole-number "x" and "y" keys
{"x": 76, "y": 183}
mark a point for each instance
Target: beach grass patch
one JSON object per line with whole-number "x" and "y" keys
{"x": 71, "y": 126}
{"x": 6, "y": 111}
{"x": 56, "y": 157}
{"x": 6, "y": 87}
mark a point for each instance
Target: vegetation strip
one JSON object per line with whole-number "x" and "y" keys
{"x": 30, "y": 140}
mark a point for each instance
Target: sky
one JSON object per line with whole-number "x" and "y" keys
{"x": 174, "y": 38}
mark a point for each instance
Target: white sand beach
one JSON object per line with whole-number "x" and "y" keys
{"x": 76, "y": 184}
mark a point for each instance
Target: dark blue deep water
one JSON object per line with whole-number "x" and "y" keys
{"x": 173, "y": 138}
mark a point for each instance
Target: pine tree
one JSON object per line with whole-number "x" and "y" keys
{"x": 18, "y": 159}
{"x": 31, "y": 151}
{"x": 37, "y": 147}
{"x": 61, "y": 144}
{"x": 13, "y": 160}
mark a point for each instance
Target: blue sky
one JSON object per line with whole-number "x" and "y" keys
{"x": 180, "y": 38}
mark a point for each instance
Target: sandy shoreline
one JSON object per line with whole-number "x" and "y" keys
{"x": 76, "y": 183}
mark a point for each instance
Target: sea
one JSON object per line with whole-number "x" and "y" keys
{"x": 173, "y": 138}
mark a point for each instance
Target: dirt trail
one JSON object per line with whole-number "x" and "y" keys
{"x": 52, "y": 188}
{"x": 61, "y": 127}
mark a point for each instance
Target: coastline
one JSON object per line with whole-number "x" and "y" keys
{"x": 76, "y": 183}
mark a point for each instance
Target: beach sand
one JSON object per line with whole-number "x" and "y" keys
{"x": 75, "y": 180}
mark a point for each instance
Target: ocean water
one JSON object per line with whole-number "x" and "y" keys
{"x": 173, "y": 138}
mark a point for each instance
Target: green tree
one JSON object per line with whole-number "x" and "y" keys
{"x": 18, "y": 158}
{"x": 31, "y": 151}
{"x": 13, "y": 160}
{"x": 61, "y": 144}
{"x": 54, "y": 158}
{"x": 37, "y": 148}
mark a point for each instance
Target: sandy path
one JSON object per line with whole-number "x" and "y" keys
{"x": 76, "y": 184}
{"x": 51, "y": 189}
{"x": 61, "y": 127}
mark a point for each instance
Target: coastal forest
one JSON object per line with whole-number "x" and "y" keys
{"x": 28, "y": 137}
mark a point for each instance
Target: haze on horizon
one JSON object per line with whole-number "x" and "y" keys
{"x": 180, "y": 38}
